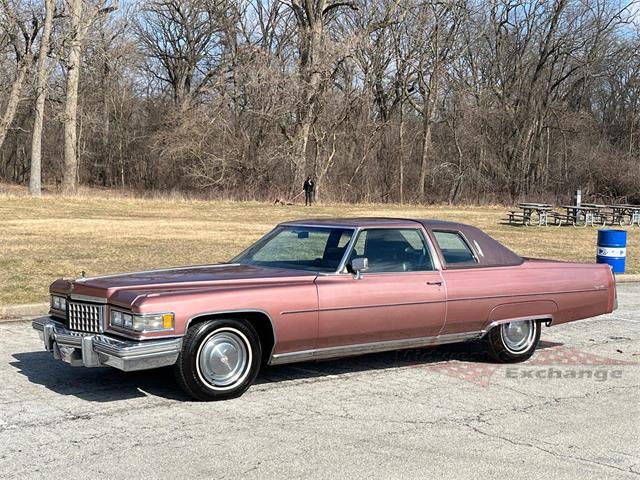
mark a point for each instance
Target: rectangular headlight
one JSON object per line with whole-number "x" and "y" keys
{"x": 127, "y": 320}
{"x": 142, "y": 322}
{"x": 116, "y": 318}
{"x": 160, "y": 321}
{"x": 58, "y": 303}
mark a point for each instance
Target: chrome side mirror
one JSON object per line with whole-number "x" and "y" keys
{"x": 359, "y": 265}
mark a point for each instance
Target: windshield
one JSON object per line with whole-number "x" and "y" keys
{"x": 317, "y": 249}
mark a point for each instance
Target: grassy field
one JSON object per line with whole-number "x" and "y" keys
{"x": 47, "y": 238}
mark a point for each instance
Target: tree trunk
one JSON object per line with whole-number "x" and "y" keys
{"x": 13, "y": 100}
{"x": 70, "y": 179}
{"x": 401, "y": 148}
{"x": 35, "y": 177}
{"x": 426, "y": 150}
{"x": 311, "y": 36}
{"x": 300, "y": 156}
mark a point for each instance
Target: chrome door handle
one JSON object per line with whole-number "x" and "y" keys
{"x": 434, "y": 283}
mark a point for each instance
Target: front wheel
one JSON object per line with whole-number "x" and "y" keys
{"x": 219, "y": 359}
{"x": 514, "y": 341}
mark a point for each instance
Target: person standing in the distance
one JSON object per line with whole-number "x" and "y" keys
{"x": 308, "y": 187}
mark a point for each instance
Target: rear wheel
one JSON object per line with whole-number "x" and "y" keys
{"x": 514, "y": 341}
{"x": 220, "y": 359}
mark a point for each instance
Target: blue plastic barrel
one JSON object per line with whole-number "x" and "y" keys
{"x": 612, "y": 249}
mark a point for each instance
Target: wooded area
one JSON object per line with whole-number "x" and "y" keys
{"x": 379, "y": 100}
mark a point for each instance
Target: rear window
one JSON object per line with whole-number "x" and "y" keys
{"x": 455, "y": 249}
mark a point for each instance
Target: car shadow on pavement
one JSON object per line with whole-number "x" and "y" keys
{"x": 473, "y": 352}
{"x": 103, "y": 384}
{"x": 109, "y": 384}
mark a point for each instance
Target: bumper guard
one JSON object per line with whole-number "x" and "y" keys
{"x": 97, "y": 350}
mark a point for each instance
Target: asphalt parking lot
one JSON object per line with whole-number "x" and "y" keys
{"x": 572, "y": 411}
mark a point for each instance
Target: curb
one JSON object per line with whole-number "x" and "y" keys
{"x": 9, "y": 313}
{"x": 628, "y": 278}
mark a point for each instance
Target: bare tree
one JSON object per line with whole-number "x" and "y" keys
{"x": 382, "y": 100}
{"x": 433, "y": 39}
{"x": 182, "y": 40}
{"x": 22, "y": 30}
{"x": 81, "y": 15}
{"x": 313, "y": 69}
{"x": 35, "y": 177}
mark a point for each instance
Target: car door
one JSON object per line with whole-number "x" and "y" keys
{"x": 401, "y": 295}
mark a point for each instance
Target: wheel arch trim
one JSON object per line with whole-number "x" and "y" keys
{"x": 546, "y": 318}
{"x": 220, "y": 314}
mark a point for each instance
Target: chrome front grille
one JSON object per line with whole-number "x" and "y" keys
{"x": 85, "y": 317}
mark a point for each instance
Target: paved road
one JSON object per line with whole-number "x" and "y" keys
{"x": 441, "y": 413}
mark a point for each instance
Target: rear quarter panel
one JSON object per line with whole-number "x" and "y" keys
{"x": 560, "y": 291}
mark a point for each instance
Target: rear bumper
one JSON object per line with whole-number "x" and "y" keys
{"x": 96, "y": 350}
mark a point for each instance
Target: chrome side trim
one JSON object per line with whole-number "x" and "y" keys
{"x": 489, "y": 297}
{"x": 547, "y": 318}
{"x": 356, "y": 307}
{"x": 374, "y": 347}
{"x": 244, "y": 310}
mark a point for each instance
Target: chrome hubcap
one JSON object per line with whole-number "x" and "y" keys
{"x": 223, "y": 358}
{"x": 518, "y": 336}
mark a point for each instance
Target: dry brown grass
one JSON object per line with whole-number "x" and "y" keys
{"x": 42, "y": 239}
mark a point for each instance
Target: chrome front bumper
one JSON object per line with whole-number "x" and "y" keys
{"x": 96, "y": 350}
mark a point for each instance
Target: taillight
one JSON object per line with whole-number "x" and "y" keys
{"x": 613, "y": 291}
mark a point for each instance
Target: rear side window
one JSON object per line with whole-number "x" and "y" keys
{"x": 393, "y": 250}
{"x": 455, "y": 249}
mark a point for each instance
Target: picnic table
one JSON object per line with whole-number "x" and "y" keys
{"x": 624, "y": 210}
{"x": 541, "y": 210}
{"x": 582, "y": 214}
{"x": 601, "y": 215}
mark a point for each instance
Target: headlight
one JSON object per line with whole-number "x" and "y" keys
{"x": 58, "y": 303}
{"x": 116, "y": 318}
{"x": 142, "y": 322}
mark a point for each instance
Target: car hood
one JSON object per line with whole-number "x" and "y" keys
{"x": 126, "y": 288}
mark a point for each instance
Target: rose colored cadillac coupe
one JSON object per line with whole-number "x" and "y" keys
{"x": 318, "y": 289}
